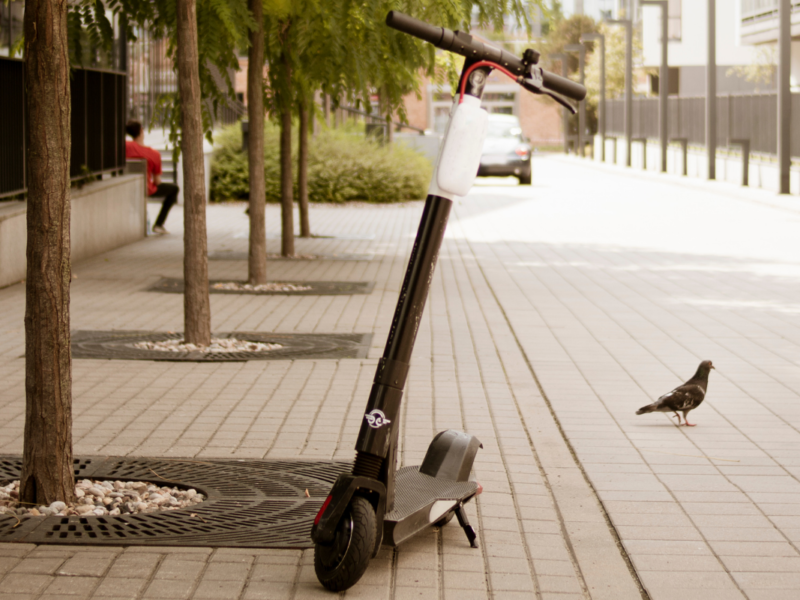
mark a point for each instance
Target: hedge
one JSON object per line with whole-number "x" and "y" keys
{"x": 342, "y": 165}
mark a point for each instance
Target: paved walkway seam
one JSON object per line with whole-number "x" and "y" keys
{"x": 567, "y": 538}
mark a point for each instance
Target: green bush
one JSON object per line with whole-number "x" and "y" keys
{"x": 342, "y": 165}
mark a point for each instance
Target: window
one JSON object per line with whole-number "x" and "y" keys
{"x": 498, "y": 98}
{"x": 674, "y": 20}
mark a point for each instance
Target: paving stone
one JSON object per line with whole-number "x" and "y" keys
{"x": 226, "y": 572}
{"x": 416, "y": 578}
{"x": 25, "y": 583}
{"x": 72, "y": 586}
{"x": 415, "y": 593}
{"x": 579, "y": 285}
{"x": 169, "y": 588}
{"x": 179, "y": 569}
{"x": 7, "y": 563}
{"x": 85, "y": 565}
{"x": 47, "y": 566}
{"x": 218, "y": 589}
{"x": 127, "y": 588}
{"x": 267, "y": 590}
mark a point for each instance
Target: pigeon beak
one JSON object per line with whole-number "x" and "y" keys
{"x": 713, "y": 367}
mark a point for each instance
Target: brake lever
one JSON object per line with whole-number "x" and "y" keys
{"x": 535, "y": 84}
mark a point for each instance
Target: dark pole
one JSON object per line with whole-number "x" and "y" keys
{"x": 565, "y": 125}
{"x": 711, "y": 91}
{"x": 663, "y": 89}
{"x": 587, "y": 37}
{"x": 784, "y": 97}
{"x": 581, "y": 50}
{"x": 628, "y": 84}
{"x": 123, "y": 43}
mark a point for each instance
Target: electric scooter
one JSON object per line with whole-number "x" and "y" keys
{"x": 376, "y": 503}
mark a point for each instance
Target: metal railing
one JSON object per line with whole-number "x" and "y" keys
{"x": 152, "y": 79}
{"x": 739, "y": 116}
{"x": 97, "y": 122}
{"x": 756, "y": 10}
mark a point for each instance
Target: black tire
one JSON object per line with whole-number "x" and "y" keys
{"x": 340, "y": 565}
{"x": 526, "y": 177}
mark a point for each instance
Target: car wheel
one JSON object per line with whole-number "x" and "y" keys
{"x": 525, "y": 177}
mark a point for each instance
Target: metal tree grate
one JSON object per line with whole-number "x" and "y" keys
{"x": 249, "y": 503}
{"x": 118, "y": 345}
{"x": 170, "y": 285}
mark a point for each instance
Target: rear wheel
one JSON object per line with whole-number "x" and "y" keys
{"x": 525, "y": 177}
{"x": 340, "y": 565}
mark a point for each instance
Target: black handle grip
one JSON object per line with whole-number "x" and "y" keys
{"x": 563, "y": 86}
{"x": 411, "y": 26}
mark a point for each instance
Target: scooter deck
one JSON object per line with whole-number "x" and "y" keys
{"x": 420, "y": 501}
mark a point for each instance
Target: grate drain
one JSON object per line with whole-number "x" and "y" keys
{"x": 117, "y": 345}
{"x": 171, "y": 285}
{"x": 250, "y": 504}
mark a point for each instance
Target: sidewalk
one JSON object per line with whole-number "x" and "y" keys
{"x": 557, "y": 310}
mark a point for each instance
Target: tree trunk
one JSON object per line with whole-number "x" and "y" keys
{"x": 196, "y": 305}
{"x": 287, "y": 193}
{"x": 389, "y": 129}
{"x": 257, "y": 256}
{"x": 47, "y": 471}
{"x": 302, "y": 171}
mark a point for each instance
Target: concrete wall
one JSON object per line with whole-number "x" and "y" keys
{"x": 762, "y": 172}
{"x": 104, "y": 215}
{"x": 12, "y": 242}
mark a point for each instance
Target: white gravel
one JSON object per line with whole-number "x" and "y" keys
{"x": 294, "y": 257}
{"x": 238, "y": 286}
{"x": 99, "y": 498}
{"x": 217, "y": 345}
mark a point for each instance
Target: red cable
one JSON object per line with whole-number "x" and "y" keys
{"x": 482, "y": 63}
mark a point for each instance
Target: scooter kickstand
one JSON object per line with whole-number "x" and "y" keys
{"x": 461, "y": 515}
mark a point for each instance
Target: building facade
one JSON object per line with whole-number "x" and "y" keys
{"x": 741, "y": 26}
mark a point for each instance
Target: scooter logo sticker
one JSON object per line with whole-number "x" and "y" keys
{"x": 376, "y": 418}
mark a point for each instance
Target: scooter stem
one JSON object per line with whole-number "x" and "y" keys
{"x": 377, "y": 440}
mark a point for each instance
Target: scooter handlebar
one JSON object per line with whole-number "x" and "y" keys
{"x": 562, "y": 85}
{"x": 411, "y": 26}
{"x": 466, "y": 45}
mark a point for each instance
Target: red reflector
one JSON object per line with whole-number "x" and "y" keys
{"x": 521, "y": 151}
{"x": 322, "y": 510}
{"x": 480, "y": 490}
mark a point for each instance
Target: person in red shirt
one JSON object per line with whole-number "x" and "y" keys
{"x": 137, "y": 150}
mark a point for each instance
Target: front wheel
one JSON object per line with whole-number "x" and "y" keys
{"x": 341, "y": 564}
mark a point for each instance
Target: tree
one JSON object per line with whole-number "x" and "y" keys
{"x": 204, "y": 36}
{"x": 196, "y": 303}
{"x": 565, "y": 32}
{"x": 763, "y": 68}
{"x": 343, "y": 49}
{"x": 54, "y": 31}
{"x": 615, "y": 64}
{"x": 302, "y": 168}
{"x": 47, "y": 473}
{"x": 257, "y": 254}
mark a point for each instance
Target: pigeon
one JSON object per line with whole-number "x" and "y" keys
{"x": 683, "y": 398}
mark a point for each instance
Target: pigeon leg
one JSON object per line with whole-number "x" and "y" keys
{"x": 686, "y": 420}
{"x": 679, "y": 418}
